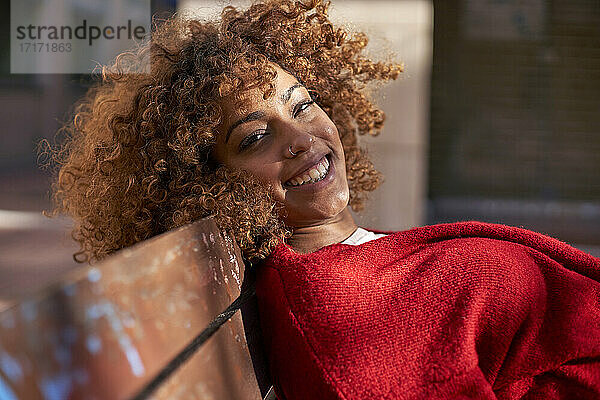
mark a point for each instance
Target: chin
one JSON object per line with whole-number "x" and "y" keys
{"x": 300, "y": 211}
{"x": 313, "y": 217}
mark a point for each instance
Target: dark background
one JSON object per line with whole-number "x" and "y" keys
{"x": 514, "y": 133}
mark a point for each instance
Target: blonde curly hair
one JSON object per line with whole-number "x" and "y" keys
{"x": 137, "y": 161}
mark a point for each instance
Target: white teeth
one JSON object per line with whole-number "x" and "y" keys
{"x": 315, "y": 174}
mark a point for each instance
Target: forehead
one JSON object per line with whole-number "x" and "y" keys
{"x": 240, "y": 104}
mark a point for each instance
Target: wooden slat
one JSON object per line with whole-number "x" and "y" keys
{"x": 108, "y": 329}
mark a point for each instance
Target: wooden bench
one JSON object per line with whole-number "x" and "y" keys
{"x": 121, "y": 329}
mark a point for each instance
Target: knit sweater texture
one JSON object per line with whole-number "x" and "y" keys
{"x": 454, "y": 311}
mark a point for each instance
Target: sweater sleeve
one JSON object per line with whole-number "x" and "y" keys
{"x": 524, "y": 322}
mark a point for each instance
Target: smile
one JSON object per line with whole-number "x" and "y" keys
{"x": 312, "y": 175}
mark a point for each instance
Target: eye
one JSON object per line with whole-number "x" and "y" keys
{"x": 301, "y": 107}
{"x": 251, "y": 139}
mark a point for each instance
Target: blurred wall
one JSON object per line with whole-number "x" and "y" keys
{"x": 405, "y": 29}
{"x": 34, "y": 250}
{"x": 515, "y": 101}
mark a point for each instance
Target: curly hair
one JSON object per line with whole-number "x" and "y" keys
{"x": 137, "y": 161}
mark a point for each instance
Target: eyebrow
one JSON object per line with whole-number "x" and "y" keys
{"x": 256, "y": 115}
{"x": 285, "y": 97}
{"x": 253, "y": 116}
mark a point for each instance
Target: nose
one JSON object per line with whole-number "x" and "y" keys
{"x": 298, "y": 143}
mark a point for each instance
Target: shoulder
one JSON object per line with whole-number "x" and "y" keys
{"x": 489, "y": 240}
{"x": 477, "y": 252}
{"x": 479, "y": 264}
{"x": 478, "y": 255}
{"x": 471, "y": 240}
{"x": 498, "y": 254}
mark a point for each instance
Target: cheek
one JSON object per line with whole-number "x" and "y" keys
{"x": 332, "y": 135}
{"x": 268, "y": 174}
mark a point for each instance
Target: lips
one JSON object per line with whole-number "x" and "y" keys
{"x": 312, "y": 174}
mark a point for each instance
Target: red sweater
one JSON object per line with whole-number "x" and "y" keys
{"x": 466, "y": 310}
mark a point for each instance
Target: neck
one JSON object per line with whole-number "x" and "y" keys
{"x": 311, "y": 238}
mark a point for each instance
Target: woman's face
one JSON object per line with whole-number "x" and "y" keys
{"x": 257, "y": 135}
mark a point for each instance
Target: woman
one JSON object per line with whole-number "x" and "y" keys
{"x": 254, "y": 120}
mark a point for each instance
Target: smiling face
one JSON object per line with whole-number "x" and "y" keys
{"x": 289, "y": 143}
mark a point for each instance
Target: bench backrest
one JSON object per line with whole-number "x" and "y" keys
{"x": 107, "y": 330}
